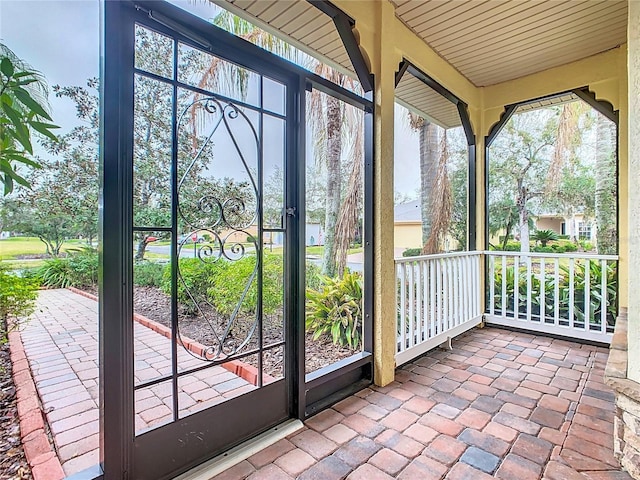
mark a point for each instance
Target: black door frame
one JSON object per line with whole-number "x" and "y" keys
{"x": 117, "y": 434}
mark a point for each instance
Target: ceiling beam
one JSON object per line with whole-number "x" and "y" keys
{"x": 345, "y": 25}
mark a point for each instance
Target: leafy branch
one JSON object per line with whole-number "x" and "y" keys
{"x": 20, "y": 115}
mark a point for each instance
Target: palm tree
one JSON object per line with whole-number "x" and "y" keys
{"x": 441, "y": 201}
{"x": 545, "y": 236}
{"x": 606, "y": 186}
{"x": 435, "y": 185}
{"x": 348, "y": 218}
{"x": 335, "y": 127}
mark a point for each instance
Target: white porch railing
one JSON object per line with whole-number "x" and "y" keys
{"x": 438, "y": 298}
{"x": 570, "y": 294}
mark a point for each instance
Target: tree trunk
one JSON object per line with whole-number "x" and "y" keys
{"x": 523, "y": 217}
{"x": 349, "y": 212}
{"x": 428, "y": 166}
{"x": 141, "y": 249}
{"x": 606, "y": 187}
{"x": 332, "y": 208}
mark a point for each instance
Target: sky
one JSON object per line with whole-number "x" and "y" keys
{"x": 61, "y": 39}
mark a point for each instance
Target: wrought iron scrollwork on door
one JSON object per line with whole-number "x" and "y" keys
{"x": 218, "y": 227}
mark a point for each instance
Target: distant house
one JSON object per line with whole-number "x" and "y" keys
{"x": 578, "y": 226}
{"x": 407, "y": 222}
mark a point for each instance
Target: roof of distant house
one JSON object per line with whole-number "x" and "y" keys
{"x": 407, "y": 212}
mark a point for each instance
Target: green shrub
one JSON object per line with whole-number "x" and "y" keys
{"x": 586, "y": 246}
{"x": 544, "y": 236}
{"x": 412, "y": 252}
{"x": 148, "y": 274}
{"x": 83, "y": 264}
{"x": 32, "y": 274}
{"x": 194, "y": 280}
{"x": 223, "y": 283}
{"x": 579, "y": 289}
{"x": 231, "y": 282}
{"x": 17, "y": 299}
{"x": 563, "y": 237}
{"x": 336, "y": 310}
{"x": 512, "y": 247}
{"x": 558, "y": 248}
{"x": 56, "y": 273}
{"x": 79, "y": 269}
{"x": 570, "y": 247}
{"x": 313, "y": 276}
{"x": 541, "y": 249}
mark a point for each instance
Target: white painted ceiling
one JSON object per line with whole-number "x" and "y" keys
{"x": 487, "y": 41}
{"x": 492, "y": 41}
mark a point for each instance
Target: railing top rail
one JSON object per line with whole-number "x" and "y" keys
{"x": 590, "y": 256}
{"x": 473, "y": 253}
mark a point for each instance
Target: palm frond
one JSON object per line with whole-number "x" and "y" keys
{"x": 441, "y": 203}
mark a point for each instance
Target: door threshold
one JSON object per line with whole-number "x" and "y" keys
{"x": 217, "y": 465}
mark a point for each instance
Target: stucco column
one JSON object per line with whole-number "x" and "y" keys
{"x": 633, "y": 73}
{"x": 385, "y": 285}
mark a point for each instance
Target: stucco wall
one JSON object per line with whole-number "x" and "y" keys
{"x": 554, "y": 224}
{"x": 407, "y": 235}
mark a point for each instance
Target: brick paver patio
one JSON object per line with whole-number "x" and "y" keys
{"x": 500, "y": 404}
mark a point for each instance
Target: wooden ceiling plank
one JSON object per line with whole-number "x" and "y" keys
{"x": 468, "y": 23}
{"x": 330, "y": 43}
{"x": 535, "y": 35}
{"x": 297, "y": 26}
{"x": 432, "y": 9}
{"x": 530, "y": 65}
{"x": 320, "y": 33}
{"x": 244, "y": 4}
{"x": 258, "y": 8}
{"x": 274, "y": 11}
{"x": 535, "y": 61}
{"x": 408, "y": 6}
{"x": 485, "y": 13}
{"x": 506, "y": 32}
{"x": 434, "y": 20}
{"x": 294, "y": 11}
{"x": 599, "y": 36}
{"x": 495, "y": 21}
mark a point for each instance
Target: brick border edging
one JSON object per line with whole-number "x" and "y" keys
{"x": 239, "y": 368}
{"x": 39, "y": 452}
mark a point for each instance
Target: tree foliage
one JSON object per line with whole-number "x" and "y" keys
{"x": 63, "y": 200}
{"x": 558, "y": 160}
{"x": 519, "y": 160}
{"x": 22, "y": 112}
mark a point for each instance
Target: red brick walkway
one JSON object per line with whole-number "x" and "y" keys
{"x": 501, "y": 404}
{"x": 61, "y": 344}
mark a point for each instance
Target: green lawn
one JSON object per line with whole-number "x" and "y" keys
{"x": 22, "y": 264}
{"x": 12, "y": 247}
{"x": 320, "y": 250}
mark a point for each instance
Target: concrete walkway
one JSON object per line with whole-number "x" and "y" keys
{"x": 501, "y": 404}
